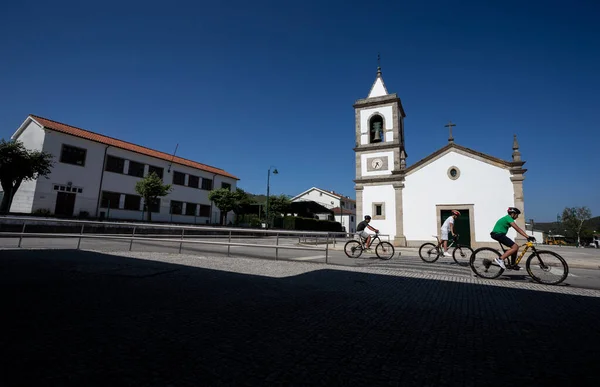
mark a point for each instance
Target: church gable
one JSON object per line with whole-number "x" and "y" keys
{"x": 453, "y": 148}
{"x": 378, "y": 89}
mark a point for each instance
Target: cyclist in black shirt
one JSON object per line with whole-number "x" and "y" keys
{"x": 360, "y": 230}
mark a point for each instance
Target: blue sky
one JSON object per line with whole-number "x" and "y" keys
{"x": 248, "y": 85}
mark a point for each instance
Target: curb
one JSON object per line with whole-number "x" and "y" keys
{"x": 572, "y": 265}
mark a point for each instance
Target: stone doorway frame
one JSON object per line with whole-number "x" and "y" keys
{"x": 470, "y": 207}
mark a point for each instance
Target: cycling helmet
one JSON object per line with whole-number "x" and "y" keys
{"x": 514, "y": 210}
{"x": 367, "y": 217}
{"x": 456, "y": 212}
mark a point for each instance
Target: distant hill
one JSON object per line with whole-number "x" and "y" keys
{"x": 592, "y": 224}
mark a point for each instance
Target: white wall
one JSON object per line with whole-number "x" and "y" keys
{"x": 485, "y": 186}
{"x": 378, "y": 90}
{"x": 321, "y": 198}
{"x": 125, "y": 184}
{"x": 387, "y": 113}
{"x": 348, "y": 221}
{"x": 379, "y": 194}
{"x": 32, "y": 138}
{"x": 88, "y": 178}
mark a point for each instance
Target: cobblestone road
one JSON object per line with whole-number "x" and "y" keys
{"x": 77, "y": 318}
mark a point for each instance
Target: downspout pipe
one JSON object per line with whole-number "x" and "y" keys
{"x": 211, "y": 202}
{"x": 101, "y": 178}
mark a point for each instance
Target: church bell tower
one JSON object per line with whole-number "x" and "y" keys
{"x": 380, "y": 159}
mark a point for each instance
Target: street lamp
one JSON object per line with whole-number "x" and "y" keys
{"x": 275, "y": 172}
{"x": 532, "y": 224}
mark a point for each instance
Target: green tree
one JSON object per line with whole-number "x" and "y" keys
{"x": 18, "y": 164}
{"x": 242, "y": 198}
{"x": 151, "y": 188}
{"x": 279, "y": 205}
{"x": 225, "y": 200}
{"x": 573, "y": 219}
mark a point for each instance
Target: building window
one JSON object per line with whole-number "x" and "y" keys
{"x": 157, "y": 170}
{"x": 190, "y": 209}
{"x": 352, "y": 218}
{"x": 132, "y": 202}
{"x": 453, "y": 173}
{"x": 227, "y": 186}
{"x": 176, "y": 207}
{"x": 376, "y": 129}
{"x": 207, "y": 184}
{"x": 204, "y": 210}
{"x": 135, "y": 169}
{"x": 178, "y": 178}
{"x": 73, "y": 155}
{"x": 114, "y": 164}
{"x": 193, "y": 181}
{"x": 378, "y": 211}
{"x": 110, "y": 200}
{"x": 67, "y": 188}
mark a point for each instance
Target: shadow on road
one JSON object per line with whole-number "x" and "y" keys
{"x": 77, "y": 318}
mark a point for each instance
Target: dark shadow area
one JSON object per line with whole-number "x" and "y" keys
{"x": 77, "y": 318}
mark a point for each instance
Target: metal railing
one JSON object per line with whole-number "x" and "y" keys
{"x": 228, "y": 233}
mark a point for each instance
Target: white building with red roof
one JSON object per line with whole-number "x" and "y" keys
{"x": 343, "y": 207}
{"x": 95, "y": 175}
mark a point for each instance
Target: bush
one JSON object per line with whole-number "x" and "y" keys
{"x": 42, "y": 212}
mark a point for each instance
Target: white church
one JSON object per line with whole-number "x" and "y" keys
{"x": 410, "y": 202}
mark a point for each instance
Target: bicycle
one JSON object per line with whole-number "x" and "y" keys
{"x": 547, "y": 262}
{"x": 354, "y": 248}
{"x": 430, "y": 252}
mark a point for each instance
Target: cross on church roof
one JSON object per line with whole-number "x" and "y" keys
{"x": 449, "y": 125}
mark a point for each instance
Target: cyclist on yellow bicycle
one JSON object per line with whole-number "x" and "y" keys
{"x": 499, "y": 234}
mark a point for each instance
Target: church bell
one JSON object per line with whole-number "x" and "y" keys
{"x": 377, "y": 130}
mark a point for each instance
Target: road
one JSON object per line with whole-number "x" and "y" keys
{"x": 85, "y": 318}
{"x": 407, "y": 261}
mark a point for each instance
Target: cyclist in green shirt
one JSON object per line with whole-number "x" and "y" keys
{"x": 499, "y": 234}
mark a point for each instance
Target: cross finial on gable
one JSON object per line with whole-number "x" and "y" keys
{"x": 449, "y": 125}
{"x": 378, "y": 65}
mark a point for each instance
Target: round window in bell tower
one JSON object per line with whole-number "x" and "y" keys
{"x": 453, "y": 172}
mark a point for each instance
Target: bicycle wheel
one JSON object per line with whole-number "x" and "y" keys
{"x": 429, "y": 252}
{"x": 483, "y": 265}
{"x": 462, "y": 255}
{"x": 353, "y": 249}
{"x": 384, "y": 250}
{"x": 547, "y": 267}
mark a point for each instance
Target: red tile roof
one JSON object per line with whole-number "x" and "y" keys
{"x": 78, "y": 132}
{"x": 337, "y": 195}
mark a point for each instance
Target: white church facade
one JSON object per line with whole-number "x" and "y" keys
{"x": 410, "y": 202}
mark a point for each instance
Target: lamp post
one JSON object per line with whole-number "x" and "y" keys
{"x": 275, "y": 172}
{"x": 532, "y": 223}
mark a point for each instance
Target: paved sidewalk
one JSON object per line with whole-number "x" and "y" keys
{"x": 581, "y": 258}
{"x": 81, "y": 318}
